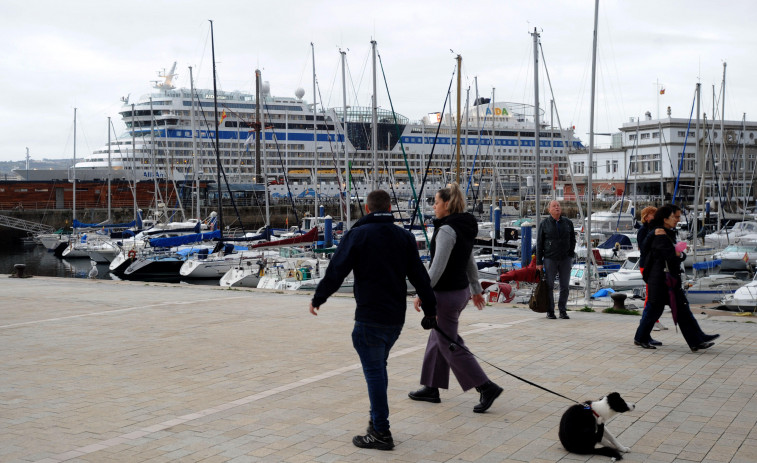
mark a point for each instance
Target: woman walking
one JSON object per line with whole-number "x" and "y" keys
{"x": 663, "y": 276}
{"x": 647, "y": 215}
{"x": 454, "y": 277}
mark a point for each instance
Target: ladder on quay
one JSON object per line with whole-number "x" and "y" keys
{"x": 26, "y": 225}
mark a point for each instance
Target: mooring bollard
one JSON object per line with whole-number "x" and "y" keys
{"x": 19, "y": 270}
{"x": 618, "y": 301}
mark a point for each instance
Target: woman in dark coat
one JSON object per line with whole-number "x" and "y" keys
{"x": 663, "y": 276}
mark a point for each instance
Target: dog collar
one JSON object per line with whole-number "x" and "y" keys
{"x": 588, "y": 407}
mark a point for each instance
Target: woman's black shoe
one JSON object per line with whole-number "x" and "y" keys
{"x": 426, "y": 394}
{"x": 702, "y": 345}
{"x": 645, "y": 345}
{"x": 710, "y": 337}
{"x": 489, "y": 392}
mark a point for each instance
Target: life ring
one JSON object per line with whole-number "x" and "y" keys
{"x": 132, "y": 254}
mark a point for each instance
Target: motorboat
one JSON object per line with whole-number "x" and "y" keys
{"x": 614, "y": 220}
{"x": 737, "y": 257}
{"x": 628, "y": 277}
{"x": 711, "y": 288}
{"x": 726, "y": 236}
{"x": 617, "y": 246}
{"x": 743, "y": 299}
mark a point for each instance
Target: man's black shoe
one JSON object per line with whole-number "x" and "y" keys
{"x": 645, "y": 345}
{"x": 489, "y": 392}
{"x": 564, "y": 316}
{"x": 551, "y": 316}
{"x": 710, "y": 337}
{"x": 374, "y": 440}
{"x": 426, "y": 394}
{"x": 653, "y": 342}
{"x": 702, "y": 345}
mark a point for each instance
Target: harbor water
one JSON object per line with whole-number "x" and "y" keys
{"x": 41, "y": 262}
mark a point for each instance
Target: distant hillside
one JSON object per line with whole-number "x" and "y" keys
{"x": 6, "y": 167}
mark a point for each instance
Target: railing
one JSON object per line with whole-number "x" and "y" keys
{"x": 25, "y": 225}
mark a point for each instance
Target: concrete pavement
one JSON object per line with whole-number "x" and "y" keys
{"x": 96, "y": 371}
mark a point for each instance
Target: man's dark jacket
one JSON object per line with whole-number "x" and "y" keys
{"x": 380, "y": 254}
{"x": 556, "y": 240}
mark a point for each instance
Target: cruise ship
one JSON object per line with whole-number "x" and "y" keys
{"x": 169, "y": 134}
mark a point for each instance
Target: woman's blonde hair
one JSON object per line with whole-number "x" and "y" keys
{"x": 455, "y": 196}
{"x": 646, "y": 211}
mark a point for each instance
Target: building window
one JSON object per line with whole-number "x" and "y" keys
{"x": 644, "y": 136}
{"x": 614, "y": 166}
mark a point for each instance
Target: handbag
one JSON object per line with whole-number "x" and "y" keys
{"x": 539, "y": 301}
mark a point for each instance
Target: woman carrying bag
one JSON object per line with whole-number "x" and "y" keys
{"x": 662, "y": 273}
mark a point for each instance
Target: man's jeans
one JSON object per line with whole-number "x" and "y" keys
{"x": 552, "y": 268}
{"x": 373, "y": 342}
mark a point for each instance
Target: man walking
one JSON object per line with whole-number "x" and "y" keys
{"x": 380, "y": 254}
{"x": 555, "y": 247}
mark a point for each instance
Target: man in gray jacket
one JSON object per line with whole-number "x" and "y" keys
{"x": 555, "y": 247}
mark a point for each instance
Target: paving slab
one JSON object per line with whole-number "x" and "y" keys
{"x": 96, "y": 370}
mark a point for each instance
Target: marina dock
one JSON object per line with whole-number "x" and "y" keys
{"x": 107, "y": 371}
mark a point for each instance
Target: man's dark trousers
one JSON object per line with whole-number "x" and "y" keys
{"x": 373, "y": 341}
{"x": 553, "y": 267}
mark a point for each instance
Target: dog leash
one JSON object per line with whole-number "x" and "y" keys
{"x": 453, "y": 345}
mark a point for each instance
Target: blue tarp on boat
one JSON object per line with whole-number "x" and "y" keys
{"x": 603, "y": 292}
{"x": 710, "y": 264}
{"x": 625, "y": 242}
{"x": 184, "y": 239}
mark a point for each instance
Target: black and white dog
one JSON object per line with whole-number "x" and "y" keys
{"x": 583, "y": 426}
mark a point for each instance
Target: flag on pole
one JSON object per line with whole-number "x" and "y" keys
{"x": 662, "y": 90}
{"x": 223, "y": 115}
{"x": 746, "y": 257}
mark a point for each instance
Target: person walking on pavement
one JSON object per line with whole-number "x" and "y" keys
{"x": 645, "y": 231}
{"x": 454, "y": 277}
{"x": 555, "y": 247}
{"x": 380, "y": 254}
{"x": 663, "y": 273}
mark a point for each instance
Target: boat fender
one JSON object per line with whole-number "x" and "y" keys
{"x": 132, "y": 254}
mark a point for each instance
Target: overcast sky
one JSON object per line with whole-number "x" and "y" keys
{"x": 58, "y": 55}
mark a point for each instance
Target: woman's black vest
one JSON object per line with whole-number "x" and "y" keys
{"x": 454, "y": 276}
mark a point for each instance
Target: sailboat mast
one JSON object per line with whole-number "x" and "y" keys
{"x": 109, "y": 168}
{"x": 723, "y": 154}
{"x": 457, "y": 126}
{"x": 215, "y": 116}
{"x": 344, "y": 143}
{"x": 696, "y": 181}
{"x": 590, "y": 174}
{"x": 73, "y": 168}
{"x": 153, "y": 166}
{"x": 374, "y": 130}
{"x": 537, "y": 153}
{"x": 195, "y": 166}
{"x": 134, "y": 163}
{"x": 315, "y": 137}
{"x": 258, "y": 130}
